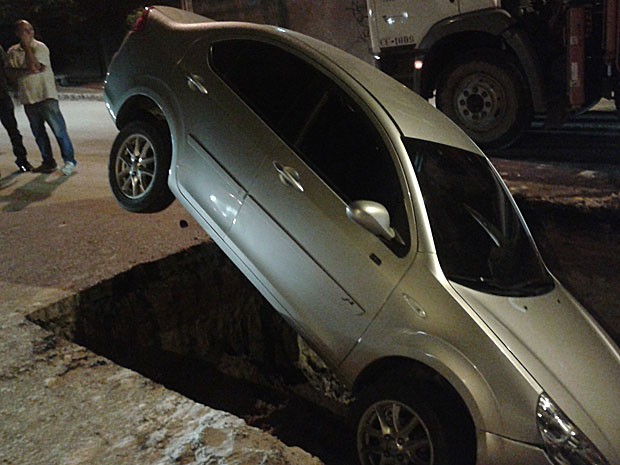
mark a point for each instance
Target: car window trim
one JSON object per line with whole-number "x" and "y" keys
{"x": 337, "y": 82}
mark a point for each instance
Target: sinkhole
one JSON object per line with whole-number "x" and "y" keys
{"x": 193, "y": 323}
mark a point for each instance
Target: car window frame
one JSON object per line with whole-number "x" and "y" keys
{"x": 331, "y": 73}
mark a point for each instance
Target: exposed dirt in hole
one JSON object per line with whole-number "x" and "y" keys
{"x": 194, "y": 324}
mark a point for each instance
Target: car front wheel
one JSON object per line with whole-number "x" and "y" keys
{"x": 400, "y": 426}
{"x": 138, "y": 168}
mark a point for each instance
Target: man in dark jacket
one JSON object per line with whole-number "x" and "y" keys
{"x": 7, "y": 117}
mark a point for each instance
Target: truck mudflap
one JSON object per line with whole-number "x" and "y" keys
{"x": 576, "y": 55}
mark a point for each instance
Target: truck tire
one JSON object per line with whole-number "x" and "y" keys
{"x": 486, "y": 95}
{"x": 138, "y": 168}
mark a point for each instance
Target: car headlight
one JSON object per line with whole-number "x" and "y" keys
{"x": 564, "y": 443}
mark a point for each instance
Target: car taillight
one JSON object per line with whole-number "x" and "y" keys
{"x": 140, "y": 23}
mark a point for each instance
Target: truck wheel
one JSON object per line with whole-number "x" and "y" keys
{"x": 138, "y": 168}
{"x": 485, "y": 94}
{"x": 398, "y": 425}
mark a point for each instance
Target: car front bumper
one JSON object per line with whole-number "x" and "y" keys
{"x": 494, "y": 449}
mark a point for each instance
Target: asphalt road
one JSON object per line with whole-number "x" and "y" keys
{"x": 90, "y": 128}
{"x": 589, "y": 139}
{"x": 59, "y": 235}
{"x": 579, "y": 169}
{"x": 68, "y": 231}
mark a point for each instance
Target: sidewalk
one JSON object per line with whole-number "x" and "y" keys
{"x": 61, "y": 404}
{"x": 87, "y": 91}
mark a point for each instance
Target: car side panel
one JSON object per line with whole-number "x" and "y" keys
{"x": 324, "y": 314}
{"x": 217, "y": 119}
{"x": 425, "y": 320}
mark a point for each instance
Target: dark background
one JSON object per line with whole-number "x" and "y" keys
{"x": 82, "y": 35}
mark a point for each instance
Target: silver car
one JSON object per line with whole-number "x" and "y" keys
{"x": 379, "y": 231}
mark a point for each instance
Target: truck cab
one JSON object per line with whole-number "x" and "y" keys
{"x": 492, "y": 66}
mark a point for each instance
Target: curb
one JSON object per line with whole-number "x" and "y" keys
{"x": 84, "y": 91}
{"x": 70, "y": 95}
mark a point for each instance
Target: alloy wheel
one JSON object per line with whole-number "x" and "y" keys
{"x": 135, "y": 166}
{"x": 391, "y": 433}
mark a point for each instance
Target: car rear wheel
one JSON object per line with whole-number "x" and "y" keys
{"x": 399, "y": 425}
{"x": 138, "y": 168}
{"x": 485, "y": 94}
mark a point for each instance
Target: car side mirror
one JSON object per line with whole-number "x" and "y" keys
{"x": 372, "y": 216}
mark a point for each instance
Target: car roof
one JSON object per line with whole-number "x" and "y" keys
{"x": 413, "y": 115}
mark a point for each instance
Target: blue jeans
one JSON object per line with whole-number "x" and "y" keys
{"x": 48, "y": 112}
{"x": 7, "y": 117}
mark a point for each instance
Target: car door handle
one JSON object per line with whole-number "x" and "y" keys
{"x": 195, "y": 83}
{"x": 288, "y": 176}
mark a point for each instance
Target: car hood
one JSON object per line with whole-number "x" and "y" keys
{"x": 574, "y": 361}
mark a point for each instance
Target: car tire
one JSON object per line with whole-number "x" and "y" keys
{"x": 486, "y": 95}
{"x": 138, "y": 168}
{"x": 397, "y": 423}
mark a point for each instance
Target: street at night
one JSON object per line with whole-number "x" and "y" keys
{"x": 64, "y": 235}
{"x": 256, "y": 243}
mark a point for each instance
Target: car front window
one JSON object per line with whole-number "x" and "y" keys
{"x": 480, "y": 239}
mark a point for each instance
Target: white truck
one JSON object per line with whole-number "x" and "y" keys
{"x": 492, "y": 65}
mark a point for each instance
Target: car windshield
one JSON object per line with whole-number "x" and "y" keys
{"x": 480, "y": 239}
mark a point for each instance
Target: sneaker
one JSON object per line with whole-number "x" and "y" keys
{"x": 46, "y": 168}
{"x": 68, "y": 169}
{"x": 24, "y": 166}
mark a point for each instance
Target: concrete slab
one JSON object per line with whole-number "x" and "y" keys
{"x": 60, "y": 403}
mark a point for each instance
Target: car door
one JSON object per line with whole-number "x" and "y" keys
{"x": 222, "y": 144}
{"x": 330, "y": 274}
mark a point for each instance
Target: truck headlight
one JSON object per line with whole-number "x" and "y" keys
{"x": 564, "y": 443}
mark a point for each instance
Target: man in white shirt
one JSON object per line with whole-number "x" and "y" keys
{"x": 30, "y": 59}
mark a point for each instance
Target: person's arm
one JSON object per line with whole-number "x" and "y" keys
{"x": 32, "y": 64}
{"x": 13, "y": 72}
{"x": 4, "y": 63}
{"x": 16, "y": 63}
